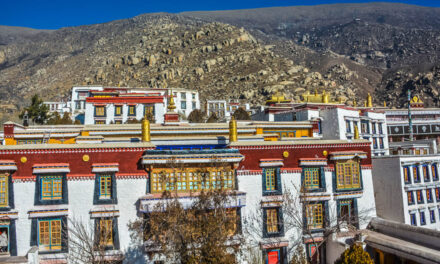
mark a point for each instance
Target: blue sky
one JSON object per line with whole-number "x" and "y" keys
{"x": 44, "y": 14}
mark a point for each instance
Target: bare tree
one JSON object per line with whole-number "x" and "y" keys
{"x": 87, "y": 244}
{"x": 297, "y": 223}
{"x": 203, "y": 231}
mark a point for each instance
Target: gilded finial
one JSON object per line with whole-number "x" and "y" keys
{"x": 354, "y": 103}
{"x": 324, "y": 97}
{"x": 146, "y": 137}
{"x": 171, "y": 105}
{"x": 356, "y": 132}
{"x": 232, "y": 130}
{"x": 369, "y": 100}
{"x": 316, "y": 92}
{"x": 384, "y": 104}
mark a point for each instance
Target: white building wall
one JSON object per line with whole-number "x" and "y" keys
{"x": 24, "y": 202}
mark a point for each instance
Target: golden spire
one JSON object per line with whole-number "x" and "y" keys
{"x": 384, "y": 104}
{"x": 354, "y": 103}
{"x": 324, "y": 97}
{"x": 171, "y": 105}
{"x": 146, "y": 130}
{"x": 369, "y": 101}
{"x": 232, "y": 130}
{"x": 356, "y": 132}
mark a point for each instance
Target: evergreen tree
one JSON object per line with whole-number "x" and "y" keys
{"x": 37, "y": 111}
{"x": 196, "y": 116}
{"x": 212, "y": 118}
{"x": 241, "y": 114}
{"x": 354, "y": 254}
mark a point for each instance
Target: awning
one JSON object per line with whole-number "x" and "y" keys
{"x": 271, "y": 163}
{"x": 343, "y": 155}
{"x": 48, "y": 211}
{"x": 104, "y": 211}
{"x": 149, "y": 202}
{"x": 51, "y": 168}
{"x": 313, "y": 162}
{"x": 105, "y": 167}
{"x": 8, "y": 165}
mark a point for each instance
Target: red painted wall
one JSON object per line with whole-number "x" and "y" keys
{"x": 253, "y": 156}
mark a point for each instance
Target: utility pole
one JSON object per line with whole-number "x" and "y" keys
{"x": 411, "y": 134}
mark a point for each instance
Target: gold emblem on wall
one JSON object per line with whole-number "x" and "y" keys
{"x": 325, "y": 153}
{"x": 286, "y": 154}
{"x": 23, "y": 159}
{"x": 86, "y": 158}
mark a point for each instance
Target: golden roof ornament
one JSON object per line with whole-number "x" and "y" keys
{"x": 369, "y": 100}
{"x": 354, "y": 103}
{"x": 171, "y": 105}
{"x": 146, "y": 136}
{"x": 356, "y": 132}
{"x": 232, "y": 130}
{"x": 324, "y": 97}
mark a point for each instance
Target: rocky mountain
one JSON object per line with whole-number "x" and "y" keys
{"x": 158, "y": 50}
{"x": 373, "y": 40}
{"x": 346, "y": 49}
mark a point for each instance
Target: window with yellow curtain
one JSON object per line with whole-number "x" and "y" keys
{"x": 99, "y": 110}
{"x": 49, "y": 234}
{"x": 106, "y": 231}
{"x": 348, "y": 174}
{"x": 4, "y": 190}
{"x": 272, "y": 220}
{"x": 191, "y": 179}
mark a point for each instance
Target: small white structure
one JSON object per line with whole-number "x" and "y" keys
{"x": 225, "y": 109}
{"x": 186, "y": 101}
{"x": 407, "y": 189}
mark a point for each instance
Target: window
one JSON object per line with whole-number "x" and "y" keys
{"x": 51, "y": 188}
{"x": 375, "y": 143}
{"x": 149, "y": 110}
{"x": 419, "y": 197}
{"x": 49, "y": 234}
{"x": 380, "y": 128}
{"x": 425, "y": 173}
{"x": 364, "y": 127}
{"x": 99, "y": 122}
{"x": 183, "y": 105}
{"x": 131, "y": 110}
{"x": 346, "y": 211}
{"x": 406, "y": 175}
{"x": 381, "y": 143}
{"x": 4, "y": 190}
{"x": 348, "y": 126}
{"x": 432, "y": 216}
{"x": 434, "y": 172}
{"x": 118, "y": 110}
{"x": 193, "y": 96}
{"x": 429, "y": 195}
{"x": 191, "y": 179}
{"x": 312, "y": 177}
{"x": 271, "y": 181}
{"x": 410, "y": 197}
{"x": 272, "y": 221}
{"x": 416, "y": 175}
{"x": 373, "y": 128}
{"x": 105, "y": 186}
{"x": 106, "y": 232}
{"x": 78, "y": 105}
{"x": 413, "y": 219}
{"x": 315, "y": 216}
{"x": 194, "y": 106}
{"x": 437, "y": 194}
{"x": 183, "y": 96}
{"x": 118, "y": 122}
{"x": 99, "y": 110}
{"x": 422, "y": 218}
{"x": 348, "y": 175}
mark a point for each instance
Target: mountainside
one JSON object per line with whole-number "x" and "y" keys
{"x": 158, "y": 50}
{"x": 378, "y": 38}
{"x": 346, "y": 49}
